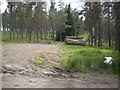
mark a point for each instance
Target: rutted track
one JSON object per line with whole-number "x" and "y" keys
{"x": 19, "y": 72}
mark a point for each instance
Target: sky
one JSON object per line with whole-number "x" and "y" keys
{"x": 74, "y": 4}
{"x": 3, "y": 5}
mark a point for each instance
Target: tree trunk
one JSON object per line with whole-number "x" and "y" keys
{"x": 21, "y": 34}
{"x": 109, "y": 33}
{"x": 34, "y": 35}
{"x": 89, "y": 39}
{"x": 95, "y": 36}
{"x": 37, "y": 36}
{"x": 41, "y": 35}
{"x": 30, "y": 36}
{"x": 117, "y": 15}
{"x": 60, "y": 36}
{"x": 13, "y": 34}
{"x": 99, "y": 33}
{"x": 10, "y": 34}
{"x": 45, "y": 34}
{"x": 91, "y": 32}
{"x": 53, "y": 34}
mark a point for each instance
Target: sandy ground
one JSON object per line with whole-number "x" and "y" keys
{"x": 22, "y": 73}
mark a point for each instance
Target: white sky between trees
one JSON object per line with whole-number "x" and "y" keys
{"x": 74, "y": 4}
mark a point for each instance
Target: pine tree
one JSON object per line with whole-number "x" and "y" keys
{"x": 60, "y": 22}
{"x": 69, "y": 24}
{"x": 117, "y": 23}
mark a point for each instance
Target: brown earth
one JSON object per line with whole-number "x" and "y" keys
{"x": 19, "y": 71}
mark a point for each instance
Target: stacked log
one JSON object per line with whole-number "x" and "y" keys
{"x": 74, "y": 40}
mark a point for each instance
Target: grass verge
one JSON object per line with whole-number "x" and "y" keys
{"x": 89, "y": 59}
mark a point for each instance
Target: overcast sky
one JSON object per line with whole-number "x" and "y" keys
{"x": 74, "y": 4}
{"x": 3, "y": 5}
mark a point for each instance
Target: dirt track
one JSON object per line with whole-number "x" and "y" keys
{"x": 23, "y": 73}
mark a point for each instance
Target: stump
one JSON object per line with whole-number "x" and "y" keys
{"x": 73, "y": 40}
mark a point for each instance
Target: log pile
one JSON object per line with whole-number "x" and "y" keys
{"x": 73, "y": 40}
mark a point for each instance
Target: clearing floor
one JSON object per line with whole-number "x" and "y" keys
{"x": 20, "y": 71}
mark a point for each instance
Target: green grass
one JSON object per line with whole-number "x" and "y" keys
{"x": 6, "y": 37}
{"x": 5, "y": 43}
{"x": 40, "y": 61}
{"x": 89, "y": 59}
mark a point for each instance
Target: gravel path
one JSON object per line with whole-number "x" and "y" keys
{"x": 20, "y": 72}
